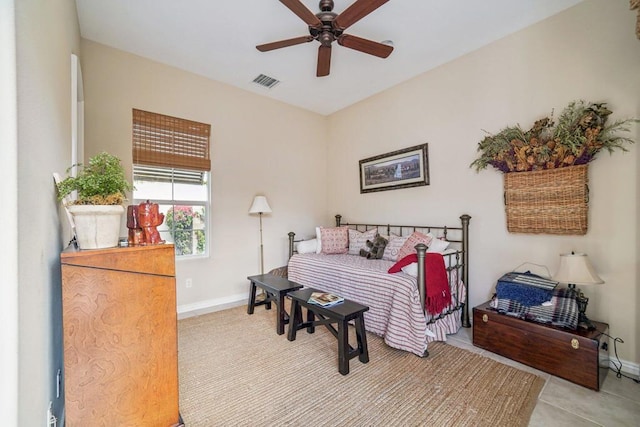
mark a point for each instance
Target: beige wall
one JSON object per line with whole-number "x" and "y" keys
{"x": 257, "y": 146}
{"x": 587, "y": 52}
{"x": 47, "y": 33}
{"x": 9, "y": 194}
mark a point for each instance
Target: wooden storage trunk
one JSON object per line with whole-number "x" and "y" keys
{"x": 577, "y": 356}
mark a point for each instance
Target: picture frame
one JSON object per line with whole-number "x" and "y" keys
{"x": 404, "y": 168}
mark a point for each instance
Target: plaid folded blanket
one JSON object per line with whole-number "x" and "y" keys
{"x": 563, "y": 310}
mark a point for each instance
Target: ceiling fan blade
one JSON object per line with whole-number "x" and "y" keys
{"x": 283, "y": 43}
{"x": 324, "y": 61}
{"x": 358, "y": 10}
{"x": 303, "y": 12}
{"x": 367, "y": 46}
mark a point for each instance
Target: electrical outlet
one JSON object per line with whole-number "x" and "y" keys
{"x": 188, "y": 283}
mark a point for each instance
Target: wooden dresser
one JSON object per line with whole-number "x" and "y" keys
{"x": 578, "y": 356}
{"x": 120, "y": 337}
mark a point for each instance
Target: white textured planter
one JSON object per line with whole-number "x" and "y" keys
{"x": 97, "y": 226}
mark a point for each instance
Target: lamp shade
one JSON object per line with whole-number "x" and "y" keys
{"x": 576, "y": 269}
{"x": 259, "y": 205}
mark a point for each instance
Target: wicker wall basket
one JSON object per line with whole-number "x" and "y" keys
{"x": 552, "y": 201}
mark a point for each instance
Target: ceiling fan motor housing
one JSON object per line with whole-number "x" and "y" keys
{"x": 326, "y": 5}
{"x": 326, "y": 33}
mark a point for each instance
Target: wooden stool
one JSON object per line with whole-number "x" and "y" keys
{"x": 276, "y": 288}
{"x": 341, "y": 314}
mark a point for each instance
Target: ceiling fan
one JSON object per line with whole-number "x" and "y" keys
{"x": 327, "y": 27}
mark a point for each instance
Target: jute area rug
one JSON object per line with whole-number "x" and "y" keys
{"x": 236, "y": 371}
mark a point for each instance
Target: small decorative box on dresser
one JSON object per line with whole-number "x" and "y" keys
{"x": 120, "y": 337}
{"x": 578, "y": 356}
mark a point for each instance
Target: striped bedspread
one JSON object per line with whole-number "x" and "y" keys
{"x": 395, "y": 311}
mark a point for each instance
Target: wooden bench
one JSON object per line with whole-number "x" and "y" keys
{"x": 341, "y": 314}
{"x": 275, "y": 288}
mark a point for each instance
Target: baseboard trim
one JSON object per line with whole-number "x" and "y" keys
{"x": 209, "y": 306}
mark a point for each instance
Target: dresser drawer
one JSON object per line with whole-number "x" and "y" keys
{"x": 577, "y": 356}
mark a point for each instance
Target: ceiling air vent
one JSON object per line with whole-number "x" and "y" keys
{"x": 266, "y": 81}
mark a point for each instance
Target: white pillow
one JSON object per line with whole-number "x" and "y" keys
{"x": 358, "y": 240}
{"x": 437, "y": 245}
{"x": 307, "y": 246}
{"x": 411, "y": 269}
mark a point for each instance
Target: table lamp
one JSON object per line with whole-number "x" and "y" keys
{"x": 575, "y": 269}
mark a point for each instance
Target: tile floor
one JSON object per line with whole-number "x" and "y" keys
{"x": 562, "y": 403}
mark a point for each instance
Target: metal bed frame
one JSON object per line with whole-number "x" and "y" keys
{"x": 458, "y": 235}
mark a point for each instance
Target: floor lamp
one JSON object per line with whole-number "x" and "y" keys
{"x": 260, "y": 206}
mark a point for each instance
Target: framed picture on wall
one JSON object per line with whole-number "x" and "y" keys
{"x": 404, "y": 168}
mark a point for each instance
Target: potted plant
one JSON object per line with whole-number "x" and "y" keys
{"x": 100, "y": 190}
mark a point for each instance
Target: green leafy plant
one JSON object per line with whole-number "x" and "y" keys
{"x": 581, "y": 132}
{"x": 102, "y": 182}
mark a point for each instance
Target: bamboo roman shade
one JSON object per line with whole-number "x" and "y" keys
{"x": 165, "y": 141}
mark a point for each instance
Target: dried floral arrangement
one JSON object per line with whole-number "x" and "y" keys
{"x": 580, "y": 133}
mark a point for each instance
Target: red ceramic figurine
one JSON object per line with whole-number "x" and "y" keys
{"x": 149, "y": 217}
{"x": 136, "y": 235}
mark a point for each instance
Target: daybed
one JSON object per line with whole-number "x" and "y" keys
{"x": 397, "y": 304}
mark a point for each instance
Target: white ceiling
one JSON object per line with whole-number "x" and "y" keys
{"x": 217, "y": 39}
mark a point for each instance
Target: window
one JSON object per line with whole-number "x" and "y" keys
{"x": 171, "y": 167}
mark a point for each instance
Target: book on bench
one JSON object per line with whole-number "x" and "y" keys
{"x": 324, "y": 299}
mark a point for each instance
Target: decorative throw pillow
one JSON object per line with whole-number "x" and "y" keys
{"x": 307, "y": 246}
{"x": 411, "y": 269}
{"x": 318, "y": 240}
{"x": 409, "y": 246}
{"x": 393, "y": 247}
{"x": 437, "y": 245}
{"x": 334, "y": 240}
{"x": 358, "y": 240}
{"x": 384, "y": 232}
{"x": 403, "y": 262}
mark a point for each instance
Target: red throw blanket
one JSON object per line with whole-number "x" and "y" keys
{"x": 438, "y": 294}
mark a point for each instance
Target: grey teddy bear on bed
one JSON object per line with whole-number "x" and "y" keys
{"x": 375, "y": 248}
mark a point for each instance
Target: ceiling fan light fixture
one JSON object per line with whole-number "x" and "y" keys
{"x": 326, "y": 38}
